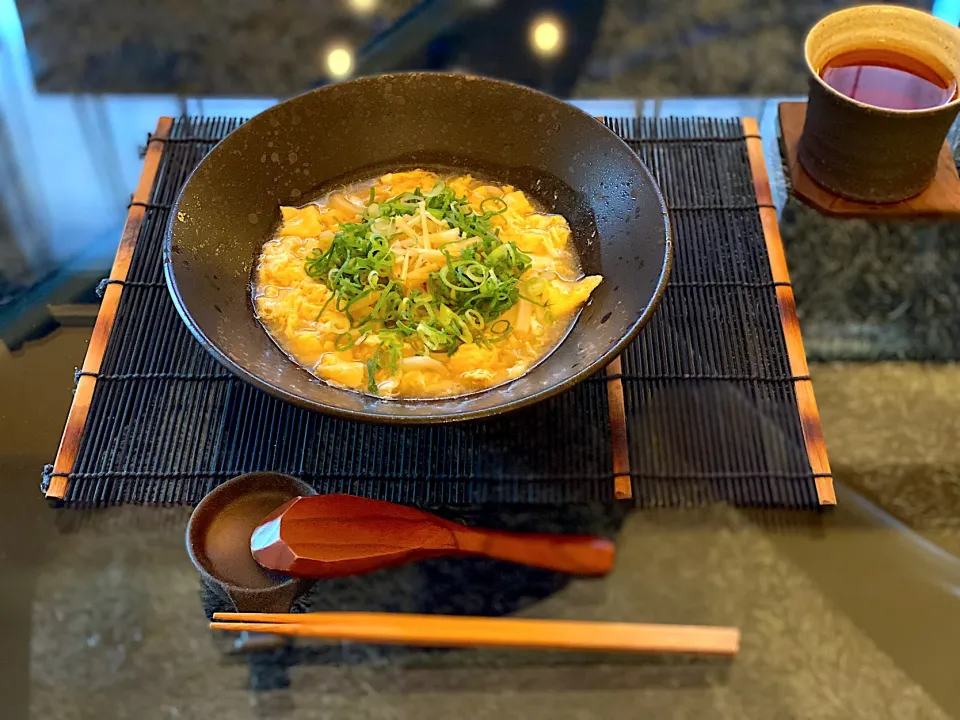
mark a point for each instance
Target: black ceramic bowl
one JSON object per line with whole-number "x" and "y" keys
{"x": 294, "y": 151}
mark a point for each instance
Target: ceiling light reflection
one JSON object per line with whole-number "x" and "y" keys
{"x": 547, "y": 36}
{"x": 362, "y": 7}
{"x": 339, "y": 62}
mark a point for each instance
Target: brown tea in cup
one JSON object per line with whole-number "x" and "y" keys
{"x": 889, "y": 78}
{"x": 883, "y": 94}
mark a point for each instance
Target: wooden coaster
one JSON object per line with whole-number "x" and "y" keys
{"x": 940, "y": 200}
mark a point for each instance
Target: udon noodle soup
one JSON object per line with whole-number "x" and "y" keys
{"x": 413, "y": 285}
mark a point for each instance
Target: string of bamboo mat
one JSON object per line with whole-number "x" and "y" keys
{"x": 456, "y": 631}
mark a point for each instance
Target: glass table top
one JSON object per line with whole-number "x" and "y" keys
{"x": 849, "y": 614}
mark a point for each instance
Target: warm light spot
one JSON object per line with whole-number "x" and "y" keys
{"x": 362, "y": 7}
{"x": 339, "y": 62}
{"x": 546, "y": 36}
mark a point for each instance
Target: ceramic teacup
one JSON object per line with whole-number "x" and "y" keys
{"x": 865, "y": 152}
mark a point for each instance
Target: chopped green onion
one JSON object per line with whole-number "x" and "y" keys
{"x": 531, "y": 300}
{"x": 344, "y": 341}
{"x": 371, "y": 372}
{"x": 536, "y": 285}
{"x": 464, "y": 299}
{"x": 501, "y": 209}
{"x": 433, "y": 339}
{"x": 474, "y": 319}
{"x": 438, "y": 188}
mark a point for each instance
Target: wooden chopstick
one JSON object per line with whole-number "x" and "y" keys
{"x": 454, "y": 631}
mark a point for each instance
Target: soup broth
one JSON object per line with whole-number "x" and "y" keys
{"x": 227, "y": 540}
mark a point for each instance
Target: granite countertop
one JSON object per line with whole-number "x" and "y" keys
{"x": 844, "y": 615}
{"x": 848, "y": 614}
{"x": 114, "y": 635}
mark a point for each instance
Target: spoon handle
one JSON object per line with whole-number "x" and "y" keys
{"x": 575, "y": 554}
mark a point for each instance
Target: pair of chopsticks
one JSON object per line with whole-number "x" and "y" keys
{"x": 455, "y": 631}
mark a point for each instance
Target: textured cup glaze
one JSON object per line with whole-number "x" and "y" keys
{"x": 868, "y": 153}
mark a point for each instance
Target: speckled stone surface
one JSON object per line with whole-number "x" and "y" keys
{"x": 848, "y": 615}
{"x": 891, "y": 431}
{"x": 874, "y": 291}
{"x": 841, "y": 619}
{"x": 114, "y": 637}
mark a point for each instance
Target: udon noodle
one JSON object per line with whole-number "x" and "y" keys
{"x": 415, "y": 286}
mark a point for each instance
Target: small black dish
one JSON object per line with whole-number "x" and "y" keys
{"x": 218, "y": 540}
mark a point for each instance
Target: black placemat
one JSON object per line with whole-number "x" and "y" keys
{"x": 711, "y": 407}
{"x": 711, "y": 411}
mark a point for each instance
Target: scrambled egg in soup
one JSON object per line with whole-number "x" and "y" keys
{"x": 417, "y": 286}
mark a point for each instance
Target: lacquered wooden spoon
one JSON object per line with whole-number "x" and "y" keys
{"x": 325, "y": 536}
